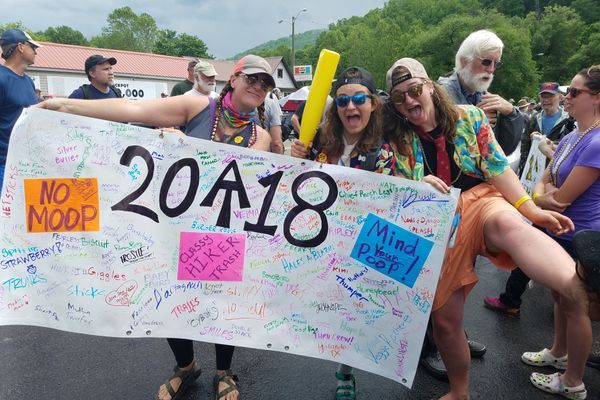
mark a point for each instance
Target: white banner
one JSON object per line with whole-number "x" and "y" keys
{"x": 111, "y": 229}
{"x": 534, "y": 166}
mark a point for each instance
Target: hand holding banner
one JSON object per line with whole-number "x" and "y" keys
{"x": 317, "y": 97}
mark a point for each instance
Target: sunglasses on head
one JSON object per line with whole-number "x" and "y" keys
{"x": 357, "y": 99}
{"x": 574, "y": 92}
{"x": 399, "y": 97}
{"x": 251, "y": 80}
{"x": 486, "y": 62}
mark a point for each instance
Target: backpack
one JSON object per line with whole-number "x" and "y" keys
{"x": 88, "y": 95}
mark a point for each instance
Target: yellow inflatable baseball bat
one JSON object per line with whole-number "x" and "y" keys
{"x": 317, "y": 96}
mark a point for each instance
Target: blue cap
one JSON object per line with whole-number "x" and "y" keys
{"x": 14, "y": 36}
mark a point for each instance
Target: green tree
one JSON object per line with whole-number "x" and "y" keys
{"x": 588, "y": 10}
{"x": 171, "y": 43}
{"x": 128, "y": 31}
{"x": 588, "y": 51}
{"x": 64, "y": 34}
{"x": 554, "y": 41}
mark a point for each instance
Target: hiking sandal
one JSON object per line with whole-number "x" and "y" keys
{"x": 228, "y": 378}
{"x": 346, "y": 387}
{"x": 187, "y": 378}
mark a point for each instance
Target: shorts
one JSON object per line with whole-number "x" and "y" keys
{"x": 475, "y": 207}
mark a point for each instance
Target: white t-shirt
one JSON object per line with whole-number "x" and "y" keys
{"x": 194, "y": 92}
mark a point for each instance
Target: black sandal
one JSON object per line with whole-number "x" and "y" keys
{"x": 587, "y": 248}
{"x": 228, "y": 378}
{"x": 187, "y": 379}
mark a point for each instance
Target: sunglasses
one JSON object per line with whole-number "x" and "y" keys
{"x": 357, "y": 99}
{"x": 574, "y": 92}
{"x": 414, "y": 92}
{"x": 486, "y": 62}
{"x": 251, "y": 80}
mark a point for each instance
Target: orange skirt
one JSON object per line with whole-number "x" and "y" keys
{"x": 475, "y": 207}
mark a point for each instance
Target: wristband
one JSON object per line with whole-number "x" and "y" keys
{"x": 535, "y": 196}
{"x": 522, "y": 200}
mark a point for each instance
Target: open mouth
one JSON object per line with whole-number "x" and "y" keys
{"x": 353, "y": 120}
{"x": 414, "y": 112}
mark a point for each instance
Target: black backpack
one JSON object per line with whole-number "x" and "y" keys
{"x": 88, "y": 95}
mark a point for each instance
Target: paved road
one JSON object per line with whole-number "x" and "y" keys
{"x": 38, "y": 363}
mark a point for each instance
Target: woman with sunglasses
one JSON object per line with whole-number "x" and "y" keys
{"x": 571, "y": 186}
{"x": 448, "y": 145}
{"x": 351, "y": 136}
{"x": 229, "y": 119}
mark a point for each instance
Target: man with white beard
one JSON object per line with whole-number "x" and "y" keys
{"x": 204, "y": 80}
{"x": 477, "y": 58}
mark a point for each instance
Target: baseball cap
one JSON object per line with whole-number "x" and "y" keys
{"x": 356, "y": 75}
{"x": 252, "y": 64}
{"x": 206, "y": 68}
{"x": 549, "y": 87}
{"x": 523, "y": 103}
{"x": 415, "y": 70}
{"x": 96, "y": 59}
{"x": 14, "y": 36}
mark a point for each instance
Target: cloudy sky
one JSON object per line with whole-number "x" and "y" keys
{"x": 226, "y": 26}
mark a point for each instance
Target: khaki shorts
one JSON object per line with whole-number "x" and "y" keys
{"x": 475, "y": 207}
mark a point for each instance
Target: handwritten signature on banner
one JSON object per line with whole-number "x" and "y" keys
{"x": 114, "y": 230}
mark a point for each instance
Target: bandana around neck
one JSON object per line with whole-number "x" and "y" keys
{"x": 232, "y": 117}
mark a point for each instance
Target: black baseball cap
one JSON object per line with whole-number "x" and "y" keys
{"x": 96, "y": 59}
{"x": 356, "y": 75}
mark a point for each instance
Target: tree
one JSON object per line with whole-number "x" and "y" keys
{"x": 588, "y": 52}
{"x": 170, "y": 43}
{"x": 64, "y": 34}
{"x": 554, "y": 41}
{"x": 128, "y": 31}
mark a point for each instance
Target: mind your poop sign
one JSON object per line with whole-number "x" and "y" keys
{"x": 116, "y": 230}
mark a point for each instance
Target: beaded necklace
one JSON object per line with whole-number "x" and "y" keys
{"x": 429, "y": 168}
{"x": 218, "y": 130}
{"x": 562, "y": 155}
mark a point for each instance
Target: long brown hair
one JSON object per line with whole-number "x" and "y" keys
{"x": 332, "y": 131}
{"x": 261, "y": 109}
{"x": 400, "y": 131}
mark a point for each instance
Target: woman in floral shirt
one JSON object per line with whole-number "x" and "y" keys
{"x": 447, "y": 145}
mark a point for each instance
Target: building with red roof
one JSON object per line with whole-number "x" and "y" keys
{"x": 59, "y": 69}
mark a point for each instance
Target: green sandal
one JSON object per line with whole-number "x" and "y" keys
{"x": 346, "y": 387}
{"x": 187, "y": 378}
{"x": 228, "y": 378}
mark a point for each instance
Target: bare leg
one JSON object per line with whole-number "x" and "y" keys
{"x": 559, "y": 345}
{"x": 451, "y": 340}
{"x": 550, "y": 265}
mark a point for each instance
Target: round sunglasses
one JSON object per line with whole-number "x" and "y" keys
{"x": 251, "y": 80}
{"x": 358, "y": 99}
{"x": 574, "y": 92}
{"x": 486, "y": 62}
{"x": 399, "y": 97}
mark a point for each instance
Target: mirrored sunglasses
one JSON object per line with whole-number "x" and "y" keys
{"x": 486, "y": 62}
{"x": 574, "y": 92}
{"x": 251, "y": 80}
{"x": 399, "y": 97}
{"x": 357, "y": 99}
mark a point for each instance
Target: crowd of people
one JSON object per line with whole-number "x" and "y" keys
{"x": 448, "y": 133}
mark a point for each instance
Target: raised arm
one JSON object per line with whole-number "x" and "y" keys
{"x": 171, "y": 111}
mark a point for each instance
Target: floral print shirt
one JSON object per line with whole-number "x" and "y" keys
{"x": 476, "y": 150}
